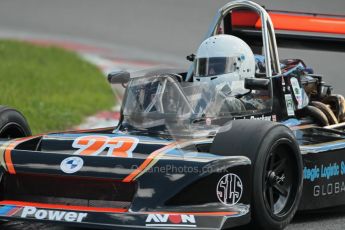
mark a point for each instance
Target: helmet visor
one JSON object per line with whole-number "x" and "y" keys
{"x": 206, "y": 67}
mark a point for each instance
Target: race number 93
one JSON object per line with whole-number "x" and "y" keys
{"x": 112, "y": 146}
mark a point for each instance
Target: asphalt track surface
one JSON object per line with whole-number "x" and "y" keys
{"x": 163, "y": 31}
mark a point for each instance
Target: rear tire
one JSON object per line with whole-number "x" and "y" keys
{"x": 13, "y": 124}
{"x": 276, "y": 169}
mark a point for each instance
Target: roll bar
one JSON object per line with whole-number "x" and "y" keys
{"x": 268, "y": 34}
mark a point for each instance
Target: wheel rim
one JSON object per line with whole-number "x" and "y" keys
{"x": 280, "y": 181}
{"x": 12, "y": 130}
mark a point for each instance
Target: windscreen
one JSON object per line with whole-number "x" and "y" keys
{"x": 161, "y": 103}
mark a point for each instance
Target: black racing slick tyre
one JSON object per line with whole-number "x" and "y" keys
{"x": 277, "y": 177}
{"x": 13, "y": 124}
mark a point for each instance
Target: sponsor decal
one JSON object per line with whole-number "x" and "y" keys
{"x": 110, "y": 146}
{"x": 9, "y": 210}
{"x": 54, "y": 215}
{"x": 229, "y": 189}
{"x": 326, "y": 173}
{"x": 264, "y": 118}
{"x": 170, "y": 220}
{"x": 329, "y": 189}
{"x": 290, "y": 106}
{"x": 297, "y": 92}
{"x": 71, "y": 165}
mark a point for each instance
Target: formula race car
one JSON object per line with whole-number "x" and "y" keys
{"x": 239, "y": 139}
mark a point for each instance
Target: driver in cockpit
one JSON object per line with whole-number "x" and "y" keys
{"x": 224, "y": 61}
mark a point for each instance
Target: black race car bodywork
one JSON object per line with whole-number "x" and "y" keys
{"x": 120, "y": 191}
{"x": 182, "y": 170}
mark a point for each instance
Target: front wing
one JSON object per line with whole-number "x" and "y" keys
{"x": 121, "y": 219}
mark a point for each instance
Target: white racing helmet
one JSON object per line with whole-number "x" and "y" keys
{"x": 224, "y": 59}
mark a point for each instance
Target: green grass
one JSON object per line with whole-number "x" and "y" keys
{"x": 53, "y": 88}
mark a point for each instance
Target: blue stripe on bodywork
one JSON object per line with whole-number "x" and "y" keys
{"x": 291, "y": 122}
{"x": 322, "y": 148}
{"x": 6, "y": 209}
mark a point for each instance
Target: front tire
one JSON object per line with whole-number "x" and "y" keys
{"x": 277, "y": 177}
{"x": 277, "y": 180}
{"x": 13, "y": 124}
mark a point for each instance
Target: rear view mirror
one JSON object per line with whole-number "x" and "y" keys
{"x": 119, "y": 77}
{"x": 256, "y": 84}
